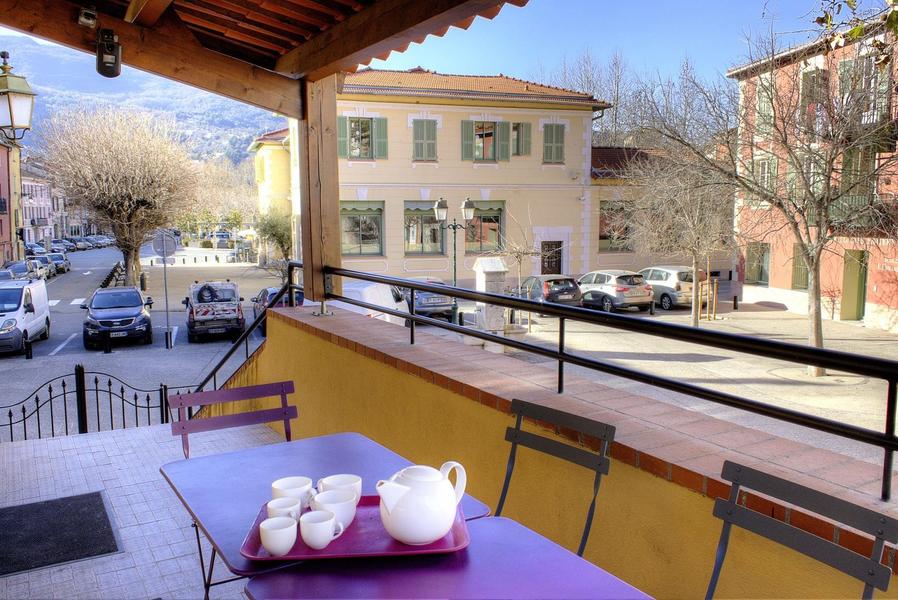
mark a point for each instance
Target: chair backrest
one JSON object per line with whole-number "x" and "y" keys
{"x": 184, "y": 425}
{"x": 880, "y": 527}
{"x": 594, "y": 461}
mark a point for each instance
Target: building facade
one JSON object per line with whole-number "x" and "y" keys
{"x": 859, "y": 269}
{"x": 37, "y": 205}
{"x": 520, "y": 151}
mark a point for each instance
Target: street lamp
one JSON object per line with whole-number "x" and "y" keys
{"x": 16, "y": 102}
{"x": 441, "y": 211}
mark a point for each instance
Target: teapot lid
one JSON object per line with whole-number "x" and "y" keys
{"x": 421, "y": 473}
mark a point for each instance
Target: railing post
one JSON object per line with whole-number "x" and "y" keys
{"x": 560, "y": 351}
{"x": 81, "y": 398}
{"x": 291, "y": 300}
{"x": 890, "y": 431}
{"x": 163, "y": 400}
{"x": 412, "y": 321}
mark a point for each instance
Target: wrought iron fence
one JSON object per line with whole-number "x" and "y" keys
{"x": 85, "y": 401}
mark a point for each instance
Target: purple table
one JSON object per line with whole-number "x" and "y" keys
{"x": 224, "y": 492}
{"x": 504, "y": 560}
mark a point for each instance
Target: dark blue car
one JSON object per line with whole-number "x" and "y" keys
{"x": 263, "y": 299}
{"x": 119, "y": 313}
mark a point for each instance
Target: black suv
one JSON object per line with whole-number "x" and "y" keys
{"x": 117, "y": 313}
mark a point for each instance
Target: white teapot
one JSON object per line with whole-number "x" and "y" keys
{"x": 418, "y": 504}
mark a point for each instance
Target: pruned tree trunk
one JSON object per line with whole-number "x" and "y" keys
{"x": 815, "y": 315}
{"x": 696, "y": 296}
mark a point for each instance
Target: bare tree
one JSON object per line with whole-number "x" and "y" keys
{"x": 522, "y": 247}
{"x": 677, "y": 211}
{"x": 611, "y": 81}
{"x": 802, "y": 139}
{"x": 126, "y": 168}
{"x": 228, "y": 193}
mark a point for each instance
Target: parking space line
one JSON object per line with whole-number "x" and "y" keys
{"x": 174, "y": 335}
{"x": 53, "y": 302}
{"x": 62, "y": 345}
{"x": 76, "y": 301}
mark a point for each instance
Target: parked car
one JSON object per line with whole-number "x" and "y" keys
{"x": 374, "y": 293}
{"x": 61, "y": 261}
{"x": 98, "y": 240}
{"x": 24, "y": 313}
{"x": 263, "y": 300}
{"x": 559, "y": 289}
{"x": 119, "y": 312}
{"x": 429, "y": 304}
{"x": 6, "y": 275}
{"x": 23, "y": 269}
{"x": 32, "y": 249}
{"x": 214, "y": 308}
{"x": 672, "y": 285}
{"x": 65, "y": 244}
{"x": 610, "y": 290}
{"x": 220, "y": 239}
{"x": 48, "y": 264}
{"x": 80, "y": 243}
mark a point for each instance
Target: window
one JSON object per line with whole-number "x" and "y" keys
{"x": 799, "y": 269}
{"x": 553, "y": 143}
{"x": 423, "y": 234}
{"x": 764, "y": 103}
{"x": 484, "y": 140}
{"x": 613, "y": 229}
{"x": 520, "y": 139}
{"x": 361, "y": 227}
{"x": 361, "y": 137}
{"x": 484, "y": 231}
{"x": 424, "y": 139}
{"x": 865, "y": 89}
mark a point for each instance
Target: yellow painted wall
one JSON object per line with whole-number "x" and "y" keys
{"x": 652, "y": 533}
{"x": 272, "y": 167}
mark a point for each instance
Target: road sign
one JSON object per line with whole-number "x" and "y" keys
{"x": 164, "y": 243}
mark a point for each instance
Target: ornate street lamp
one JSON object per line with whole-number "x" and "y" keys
{"x": 441, "y": 211}
{"x": 16, "y": 102}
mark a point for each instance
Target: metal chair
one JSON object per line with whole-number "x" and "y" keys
{"x": 868, "y": 570}
{"x": 594, "y": 461}
{"x": 185, "y": 426}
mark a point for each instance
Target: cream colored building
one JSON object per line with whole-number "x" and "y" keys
{"x": 271, "y": 162}
{"x": 520, "y": 151}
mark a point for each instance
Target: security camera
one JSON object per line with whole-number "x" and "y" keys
{"x": 87, "y": 17}
{"x": 109, "y": 54}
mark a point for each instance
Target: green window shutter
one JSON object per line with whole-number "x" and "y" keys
{"x": 548, "y": 143}
{"x": 380, "y": 137}
{"x": 418, "y": 139}
{"x": 799, "y": 269}
{"x": 503, "y": 147}
{"x": 559, "y": 143}
{"x": 342, "y": 137}
{"x": 467, "y": 140}
{"x": 883, "y": 94}
{"x": 846, "y": 76}
{"x": 524, "y": 140}
{"x": 430, "y": 140}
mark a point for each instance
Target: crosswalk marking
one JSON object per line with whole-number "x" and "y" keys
{"x": 76, "y": 301}
{"x": 53, "y": 302}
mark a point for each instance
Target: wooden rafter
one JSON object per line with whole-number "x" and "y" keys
{"x": 273, "y": 21}
{"x": 249, "y": 34}
{"x": 146, "y": 12}
{"x": 377, "y": 30}
{"x": 168, "y": 49}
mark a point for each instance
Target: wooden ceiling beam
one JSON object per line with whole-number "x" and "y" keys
{"x": 278, "y": 23}
{"x": 169, "y": 50}
{"x": 146, "y": 12}
{"x": 241, "y": 29}
{"x": 231, "y": 32}
{"x": 375, "y": 31}
{"x": 295, "y": 12}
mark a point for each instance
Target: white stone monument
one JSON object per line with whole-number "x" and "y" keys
{"x": 490, "y": 272}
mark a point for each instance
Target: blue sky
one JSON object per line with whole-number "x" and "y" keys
{"x": 652, "y": 35}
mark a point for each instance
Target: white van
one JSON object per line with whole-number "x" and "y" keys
{"x": 24, "y": 313}
{"x": 373, "y": 293}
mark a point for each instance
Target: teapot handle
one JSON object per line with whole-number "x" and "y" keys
{"x": 461, "y": 478}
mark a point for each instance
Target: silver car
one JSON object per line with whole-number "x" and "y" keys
{"x": 672, "y": 285}
{"x": 610, "y": 290}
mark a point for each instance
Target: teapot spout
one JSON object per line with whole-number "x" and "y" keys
{"x": 391, "y": 493}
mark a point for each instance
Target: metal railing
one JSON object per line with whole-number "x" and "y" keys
{"x": 868, "y": 366}
{"x": 82, "y": 402}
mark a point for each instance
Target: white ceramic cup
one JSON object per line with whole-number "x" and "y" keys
{"x": 319, "y": 528}
{"x": 293, "y": 487}
{"x": 344, "y": 481}
{"x": 286, "y": 506}
{"x": 278, "y": 535}
{"x": 340, "y": 502}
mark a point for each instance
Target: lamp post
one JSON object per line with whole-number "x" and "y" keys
{"x": 441, "y": 211}
{"x": 16, "y": 102}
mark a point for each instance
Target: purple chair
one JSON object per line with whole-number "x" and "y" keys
{"x": 186, "y": 425}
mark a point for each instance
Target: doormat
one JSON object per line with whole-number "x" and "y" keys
{"x": 55, "y": 531}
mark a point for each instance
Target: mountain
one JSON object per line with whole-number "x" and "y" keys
{"x": 212, "y": 126}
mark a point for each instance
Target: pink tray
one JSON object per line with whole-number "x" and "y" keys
{"x": 366, "y": 536}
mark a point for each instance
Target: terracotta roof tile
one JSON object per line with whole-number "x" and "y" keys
{"x": 421, "y": 82}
